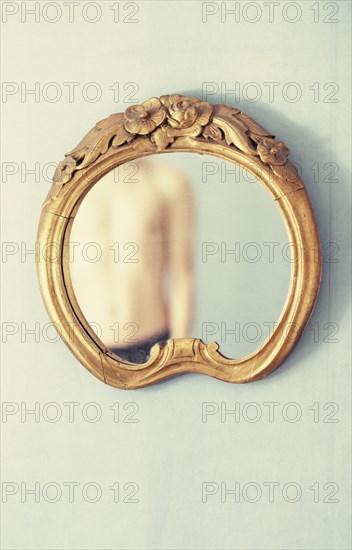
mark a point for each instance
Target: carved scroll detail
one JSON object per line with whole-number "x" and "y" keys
{"x": 168, "y": 118}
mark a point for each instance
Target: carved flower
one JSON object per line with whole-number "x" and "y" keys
{"x": 143, "y": 119}
{"x": 273, "y": 152}
{"x": 184, "y": 112}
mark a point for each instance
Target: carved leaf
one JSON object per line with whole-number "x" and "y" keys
{"x": 235, "y": 135}
{"x": 161, "y": 138}
{"x": 98, "y": 145}
{"x": 96, "y": 142}
{"x": 234, "y": 129}
{"x": 64, "y": 171}
{"x": 213, "y": 132}
{"x": 253, "y": 127}
{"x": 225, "y": 110}
{"x": 121, "y": 137}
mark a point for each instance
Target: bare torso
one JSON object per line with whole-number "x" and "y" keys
{"x": 123, "y": 293}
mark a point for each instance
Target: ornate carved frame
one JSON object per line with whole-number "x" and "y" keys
{"x": 175, "y": 123}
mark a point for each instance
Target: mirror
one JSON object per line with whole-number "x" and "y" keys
{"x": 172, "y": 263}
{"x": 179, "y": 246}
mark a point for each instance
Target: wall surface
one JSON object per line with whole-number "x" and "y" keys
{"x": 191, "y": 463}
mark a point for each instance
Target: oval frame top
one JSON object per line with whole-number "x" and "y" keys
{"x": 176, "y": 123}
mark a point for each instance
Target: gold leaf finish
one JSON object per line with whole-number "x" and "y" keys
{"x": 179, "y": 124}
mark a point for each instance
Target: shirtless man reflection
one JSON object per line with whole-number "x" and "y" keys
{"x": 135, "y": 283}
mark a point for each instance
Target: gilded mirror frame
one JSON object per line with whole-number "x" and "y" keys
{"x": 176, "y": 123}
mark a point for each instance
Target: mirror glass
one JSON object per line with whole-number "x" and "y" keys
{"x": 179, "y": 245}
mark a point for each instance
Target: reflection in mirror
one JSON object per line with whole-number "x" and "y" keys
{"x": 178, "y": 246}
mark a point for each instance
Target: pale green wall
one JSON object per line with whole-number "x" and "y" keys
{"x": 170, "y": 452}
